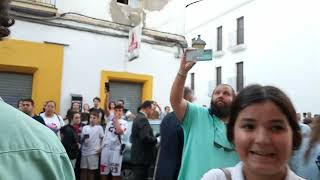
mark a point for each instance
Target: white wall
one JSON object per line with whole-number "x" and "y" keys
{"x": 169, "y": 19}
{"x": 201, "y": 12}
{"x": 93, "y": 8}
{"x": 88, "y": 54}
{"x": 282, "y": 39}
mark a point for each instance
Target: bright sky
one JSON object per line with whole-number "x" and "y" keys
{"x": 207, "y": 9}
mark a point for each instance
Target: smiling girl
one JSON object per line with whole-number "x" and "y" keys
{"x": 265, "y": 132}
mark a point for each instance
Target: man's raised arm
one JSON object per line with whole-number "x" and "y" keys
{"x": 179, "y": 104}
{"x": 106, "y": 105}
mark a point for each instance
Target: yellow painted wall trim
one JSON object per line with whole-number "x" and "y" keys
{"x": 43, "y": 61}
{"x": 146, "y": 80}
{"x": 17, "y": 69}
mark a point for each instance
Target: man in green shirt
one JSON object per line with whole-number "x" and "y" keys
{"x": 205, "y": 141}
{"x": 28, "y": 150}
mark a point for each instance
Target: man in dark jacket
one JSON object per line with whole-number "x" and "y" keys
{"x": 171, "y": 144}
{"x": 143, "y": 142}
{"x": 27, "y": 107}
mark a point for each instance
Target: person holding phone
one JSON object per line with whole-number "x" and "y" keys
{"x": 112, "y": 146}
{"x": 91, "y": 137}
{"x": 108, "y": 106}
{"x": 204, "y": 129}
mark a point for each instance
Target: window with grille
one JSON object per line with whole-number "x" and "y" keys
{"x": 192, "y": 81}
{"x": 219, "y": 38}
{"x": 239, "y": 76}
{"x": 240, "y": 30}
{"x": 218, "y": 75}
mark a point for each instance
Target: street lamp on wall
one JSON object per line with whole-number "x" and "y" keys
{"x": 198, "y": 43}
{"x": 199, "y": 52}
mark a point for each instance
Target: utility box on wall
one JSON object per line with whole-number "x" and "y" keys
{"x": 76, "y": 98}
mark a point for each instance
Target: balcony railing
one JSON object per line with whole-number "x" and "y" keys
{"x": 35, "y": 7}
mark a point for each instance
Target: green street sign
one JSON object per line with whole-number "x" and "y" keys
{"x": 207, "y": 55}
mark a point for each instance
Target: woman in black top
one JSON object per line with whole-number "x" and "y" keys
{"x": 85, "y": 115}
{"x": 70, "y": 138}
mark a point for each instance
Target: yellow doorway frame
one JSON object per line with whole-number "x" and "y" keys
{"x": 43, "y": 61}
{"x": 146, "y": 80}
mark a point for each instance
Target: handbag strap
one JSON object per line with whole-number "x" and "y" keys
{"x": 226, "y": 173}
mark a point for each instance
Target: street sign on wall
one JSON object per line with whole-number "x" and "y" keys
{"x": 207, "y": 55}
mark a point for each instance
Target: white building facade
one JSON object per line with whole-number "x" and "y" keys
{"x": 74, "y": 47}
{"x": 265, "y": 42}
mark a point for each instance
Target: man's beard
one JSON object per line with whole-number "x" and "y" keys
{"x": 220, "y": 111}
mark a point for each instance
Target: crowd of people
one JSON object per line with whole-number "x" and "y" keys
{"x": 92, "y": 137}
{"x": 254, "y": 134}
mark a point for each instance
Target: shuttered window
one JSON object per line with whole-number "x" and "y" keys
{"x": 192, "y": 81}
{"x": 219, "y": 38}
{"x": 218, "y": 75}
{"x": 129, "y": 92}
{"x": 239, "y": 76}
{"x": 14, "y": 87}
{"x": 240, "y": 30}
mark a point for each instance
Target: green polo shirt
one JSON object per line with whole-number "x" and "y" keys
{"x": 205, "y": 144}
{"x": 30, "y": 150}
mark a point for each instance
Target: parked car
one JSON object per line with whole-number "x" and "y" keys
{"x": 127, "y": 173}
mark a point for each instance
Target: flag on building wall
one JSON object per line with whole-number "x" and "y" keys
{"x": 134, "y": 42}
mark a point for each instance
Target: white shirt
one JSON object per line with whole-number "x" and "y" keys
{"x": 305, "y": 130}
{"x": 111, "y": 139}
{"x": 110, "y": 117}
{"x": 54, "y": 123}
{"x": 236, "y": 174}
{"x": 126, "y": 116}
{"x": 92, "y": 144}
